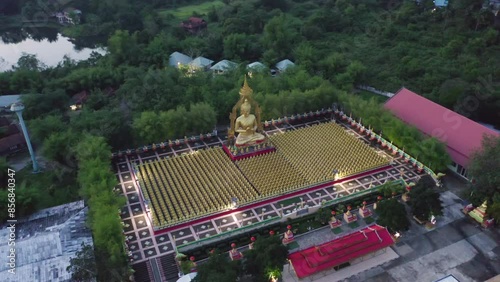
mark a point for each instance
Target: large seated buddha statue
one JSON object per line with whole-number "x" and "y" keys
{"x": 246, "y": 126}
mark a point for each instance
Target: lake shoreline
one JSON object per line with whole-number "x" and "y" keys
{"x": 49, "y": 45}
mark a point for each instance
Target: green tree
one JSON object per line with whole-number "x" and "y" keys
{"x": 203, "y": 117}
{"x": 90, "y": 147}
{"x": 148, "y": 127}
{"x": 122, "y": 47}
{"x": 106, "y": 123}
{"x": 424, "y": 199}
{"x": 280, "y": 34}
{"x": 26, "y": 199}
{"x": 42, "y": 127}
{"x": 29, "y": 62}
{"x": 97, "y": 100}
{"x": 235, "y": 46}
{"x": 39, "y": 105}
{"x": 451, "y": 90}
{"x": 83, "y": 266}
{"x": 268, "y": 255}
{"x": 305, "y": 55}
{"x": 484, "y": 170}
{"x": 58, "y": 147}
{"x": 323, "y": 215}
{"x": 392, "y": 214}
{"x": 218, "y": 268}
{"x": 96, "y": 181}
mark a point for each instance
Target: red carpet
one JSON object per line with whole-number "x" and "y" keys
{"x": 341, "y": 250}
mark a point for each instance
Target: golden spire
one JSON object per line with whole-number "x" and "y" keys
{"x": 245, "y": 90}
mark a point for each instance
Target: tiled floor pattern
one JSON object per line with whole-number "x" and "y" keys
{"x": 138, "y": 230}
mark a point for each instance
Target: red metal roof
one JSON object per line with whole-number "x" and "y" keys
{"x": 196, "y": 20}
{"x": 341, "y": 250}
{"x": 461, "y": 135}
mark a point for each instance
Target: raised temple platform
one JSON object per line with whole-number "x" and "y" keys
{"x": 236, "y": 153}
{"x": 202, "y": 183}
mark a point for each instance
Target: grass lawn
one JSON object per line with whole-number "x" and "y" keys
{"x": 353, "y": 224}
{"x": 185, "y": 12}
{"x": 368, "y": 220}
{"x": 367, "y": 95}
{"x": 337, "y": 230}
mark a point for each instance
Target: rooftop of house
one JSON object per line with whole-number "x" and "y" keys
{"x": 7, "y": 100}
{"x": 200, "y": 62}
{"x": 224, "y": 65}
{"x": 45, "y": 243}
{"x": 80, "y": 97}
{"x": 177, "y": 58}
{"x": 256, "y": 65}
{"x": 283, "y": 65}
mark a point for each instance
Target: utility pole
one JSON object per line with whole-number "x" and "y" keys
{"x": 18, "y": 109}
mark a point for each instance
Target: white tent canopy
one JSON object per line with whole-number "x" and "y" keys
{"x": 285, "y": 64}
{"x": 256, "y": 66}
{"x": 200, "y": 62}
{"x": 177, "y": 59}
{"x": 188, "y": 277}
{"x": 223, "y": 66}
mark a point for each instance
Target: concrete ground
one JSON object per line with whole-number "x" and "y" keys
{"x": 457, "y": 245}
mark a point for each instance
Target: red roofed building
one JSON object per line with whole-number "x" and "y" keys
{"x": 461, "y": 135}
{"x": 79, "y": 99}
{"x": 194, "y": 24}
{"x": 348, "y": 249}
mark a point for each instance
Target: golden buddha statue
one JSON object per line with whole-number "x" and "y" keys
{"x": 246, "y": 126}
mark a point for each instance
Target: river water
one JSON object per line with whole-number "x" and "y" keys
{"x": 49, "y": 50}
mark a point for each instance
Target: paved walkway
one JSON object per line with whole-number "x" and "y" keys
{"x": 325, "y": 234}
{"x": 144, "y": 245}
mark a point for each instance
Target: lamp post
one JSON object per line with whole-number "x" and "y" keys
{"x": 18, "y": 109}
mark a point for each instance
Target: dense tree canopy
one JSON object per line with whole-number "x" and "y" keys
{"x": 424, "y": 199}
{"x": 83, "y": 266}
{"x": 218, "y": 268}
{"x": 392, "y": 214}
{"x": 484, "y": 170}
{"x": 96, "y": 182}
{"x": 268, "y": 256}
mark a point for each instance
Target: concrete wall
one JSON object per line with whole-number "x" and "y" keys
{"x": 376, "y": 91}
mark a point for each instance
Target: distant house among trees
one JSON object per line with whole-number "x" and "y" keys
{"x": 200, "y": 63}
{"x": 194, "y": 24}
{"x": 178, "y": 60}
{"x": 78, "y": 100}
{"x": 69, "y": 16}
{"x": 11, "y": 139}
{"x": 223, "y": 66}
{"x": 255, "y": 67}
{"x": 441, "y": 3}
{"x": 283, "y": 65}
